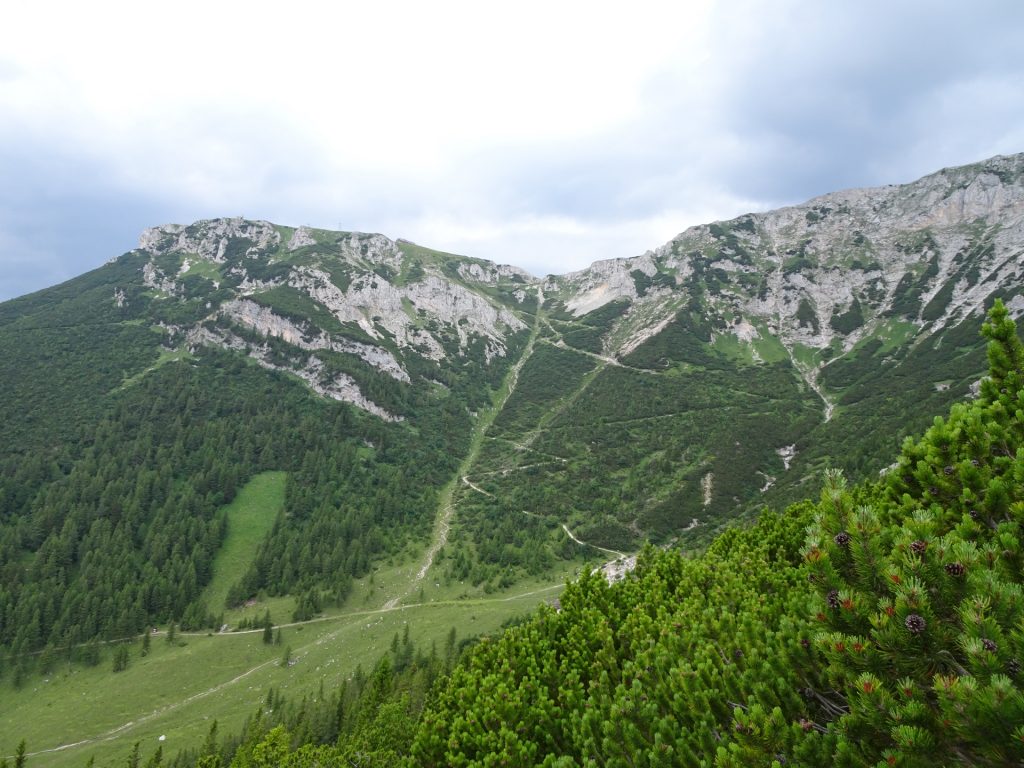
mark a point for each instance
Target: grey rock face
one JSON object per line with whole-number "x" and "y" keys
{"x": 819, "y": 278}
{"x": 209, "y": 239}
{"x": 356, "y": 279}
{"x": 833, "y": 271}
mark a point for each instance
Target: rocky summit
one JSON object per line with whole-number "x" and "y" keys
{"x": 744, "y": 340}
{"x": 819, "y": 280}
{"x": 704, "y": 378}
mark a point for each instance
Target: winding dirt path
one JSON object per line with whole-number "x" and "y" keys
{"x": 572, "y": 536}
{"x": 475, "y": 487}
{"x": 114, "y": 733}
{"x": 446, "y": 503}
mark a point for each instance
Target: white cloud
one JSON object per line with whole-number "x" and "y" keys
{"x": 544, "y": 134}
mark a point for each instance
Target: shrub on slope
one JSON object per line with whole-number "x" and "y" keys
{"x": 895, "y": 635}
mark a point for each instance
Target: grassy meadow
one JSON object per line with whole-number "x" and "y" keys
{"x": 76, "y": 712}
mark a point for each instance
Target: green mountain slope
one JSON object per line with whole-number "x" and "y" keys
{"x": 878, "y": 626}
{"x": 461, "y": 418}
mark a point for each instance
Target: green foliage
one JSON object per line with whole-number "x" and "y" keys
{"x": 120, "y": 658}
{"x": 921, "y": 589}
{"x": 806, "y": 316}
{"x": 913, "y": 648}
{"x": 299, "y": 308}
{"x": 936, "y": 306}
{"x": 645, "y": 282}
{"x": 648, "y": 671}
{"x": 124, "y": 535}
{"x": 369, "y": 720}
{"x": 850, "y": 320}
{"x": 248, "y": 519}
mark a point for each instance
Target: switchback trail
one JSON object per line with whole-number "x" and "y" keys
{"x": 446, "y": 502}
{"x": 572, "y": 536}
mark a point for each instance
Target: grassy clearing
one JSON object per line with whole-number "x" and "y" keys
{"x": 203, "y": 268}
{"x": 166, "y": 356}
{"x": 250, "y": 517}
{"x": 177, "y": 691}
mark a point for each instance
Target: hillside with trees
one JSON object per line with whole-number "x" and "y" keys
{"x": 447, "y": 436}
{"x": 879, "y": 625}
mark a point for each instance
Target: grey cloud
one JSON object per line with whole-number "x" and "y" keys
{"x": 795, "y": 100}
{"x": 844, "y": 95}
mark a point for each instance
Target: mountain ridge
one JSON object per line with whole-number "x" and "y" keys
{"x": 808, "y": 296}
{"x": 839, "y": 300}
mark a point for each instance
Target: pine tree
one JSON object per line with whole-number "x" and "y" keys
{"x": 20, "y": 757}
{"x": 145, "y": 643}
{"x": 209, "y": 755}
{"x": 157, "y": 759}
{"x": 120, "y": 662}
{"x": 920, "y": 589}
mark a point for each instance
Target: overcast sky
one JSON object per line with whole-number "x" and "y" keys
{"x": 546, "y": 135}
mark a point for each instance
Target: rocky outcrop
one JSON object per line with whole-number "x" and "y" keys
{"x": 302, "y": 237}
{"x": 211, "y": 239}
{"x": 382, "y": 309}
{"x": 819, "y": 277}
{"x": 356, "y": 278}
{"x": 154, "y": 278}
{"x": 310, "y": 369}
{"x": 834, "y": 270}
{"x": 263, "y": 320}
{"x": 491, "y": 274}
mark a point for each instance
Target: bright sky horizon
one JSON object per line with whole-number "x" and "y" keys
{"x": 545, "y": 135}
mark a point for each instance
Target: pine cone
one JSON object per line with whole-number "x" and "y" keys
{"x": 948, "y": 469}
{"x": 1013, "y": 667}
{"x": 842, "y": 539}
{"x": 915, "y": 624}
{"x": 989, "y": 645}
{"x": 833, "y": 599}
{"x": 918, "y": 547}
{"x": 956, "y": 569}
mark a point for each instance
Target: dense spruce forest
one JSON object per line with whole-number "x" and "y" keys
{"x": 126, "y": 525}
{"x": 882, "y": 624}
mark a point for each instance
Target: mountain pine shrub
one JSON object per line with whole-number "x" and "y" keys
{"x": 919, "y": 591}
